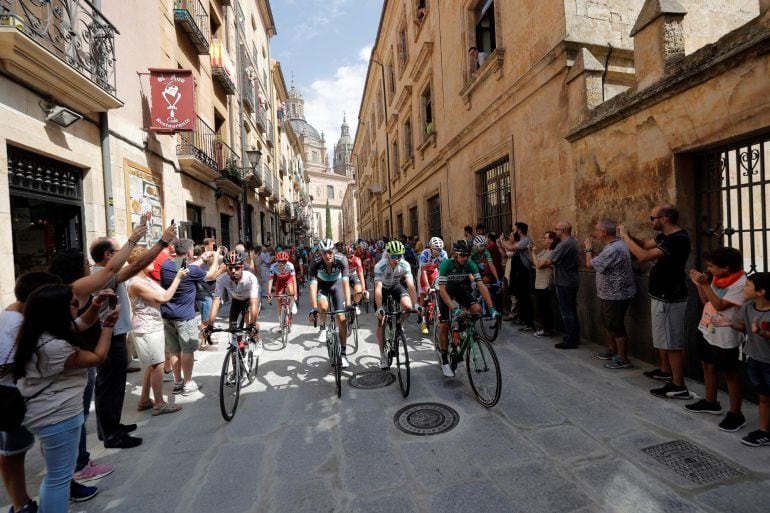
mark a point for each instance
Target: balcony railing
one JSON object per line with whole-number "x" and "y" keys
{"x": 285, "y": 212}
{"x": 195, "y": 151}
{"x": 261, "y": 120}
{"x": 267, "y": 183}
{"x": 284, "y": 167}
{"x": 269, "y": 133}
{"x": 75, "y": 32}
{"x": 225, "y": 156}
{"x": 191, "y": 15}
{"x": 222, "y": 68}
{"x": 249, "y": 95}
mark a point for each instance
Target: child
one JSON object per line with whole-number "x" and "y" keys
{"x": 719, "y": 347}
{"x": 754, "y": 320}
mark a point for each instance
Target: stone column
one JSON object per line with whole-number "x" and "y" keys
{"x": 584, "y": 86}
{"x": 658, "y": 39}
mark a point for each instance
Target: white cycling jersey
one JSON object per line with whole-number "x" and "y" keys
{"x": 389, "y": 276}
{"x": 246, "y": 288}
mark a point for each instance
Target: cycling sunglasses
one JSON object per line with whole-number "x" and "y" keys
{"x": 396, "y": 257}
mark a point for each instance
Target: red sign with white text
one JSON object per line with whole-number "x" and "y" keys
{"x": 173, "y": 100}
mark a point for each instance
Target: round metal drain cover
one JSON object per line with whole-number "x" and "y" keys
{"x": 423, "y": 419}
{"x": 372, "y": 379}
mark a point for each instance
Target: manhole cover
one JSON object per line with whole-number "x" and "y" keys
{"x": 424, "y": 419}
{"x": 372, "y": 379}
{"x": 692, "y": 462}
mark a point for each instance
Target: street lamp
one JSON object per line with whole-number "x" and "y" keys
{"x": 254, "y": 157}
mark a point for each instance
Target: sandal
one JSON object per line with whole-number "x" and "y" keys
{"x": 145, "y": 406}
{"x": 165, "y": 408}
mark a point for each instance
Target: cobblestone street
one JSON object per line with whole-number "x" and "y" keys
{"x": 567, "y": 435}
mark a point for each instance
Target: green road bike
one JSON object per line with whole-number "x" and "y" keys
{"x": 481, "y": 361}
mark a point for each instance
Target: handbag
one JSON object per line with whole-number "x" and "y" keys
{"x": 12, "y": 404}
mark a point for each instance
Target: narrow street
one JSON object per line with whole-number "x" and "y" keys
{"x": 567, "y": 435}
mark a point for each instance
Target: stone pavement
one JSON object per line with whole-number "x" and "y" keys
{"x": 566, "y": 436}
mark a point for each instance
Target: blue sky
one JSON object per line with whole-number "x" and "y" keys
{"x": 326, "y": 44}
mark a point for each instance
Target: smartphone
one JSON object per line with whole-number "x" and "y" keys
{"x": 184, "y": 263}
{"x": 112, "y": 300}
{"x": 173, "y": 222}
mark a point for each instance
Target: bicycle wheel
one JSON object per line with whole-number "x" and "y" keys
{"x": 366, "y": 305}
{"x": 251, "y": 361}
{"x": 436, "y": 346}
{"x": 229, "y": 385}
{"x": 490, "y": 327}
{"x": 483, "y": 372}
{"x": 337, "y": 352}
{"x": 402, "y": 363}
{"x": 352, "y": 341}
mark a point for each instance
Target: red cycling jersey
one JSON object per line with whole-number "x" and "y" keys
{"x": 354, "y": 265}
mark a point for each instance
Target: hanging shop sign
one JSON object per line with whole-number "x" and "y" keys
{"x": 144, "y": 198}
{"x": 173, "y": 100}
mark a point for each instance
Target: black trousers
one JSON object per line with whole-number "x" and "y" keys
{"x": 543, "y": 309}
{"x": 521, "y": 282}
{"x": 111, "y": 389}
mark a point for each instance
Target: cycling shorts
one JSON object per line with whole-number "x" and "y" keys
{"x": 396, "y": 292}
{"x": 332, "y": 291}
{"x": 432, "y": 277}
{"x": 463, "y": 297}
{"x": 354, "y": 280}
{"x": 238, "y": 310}
{"x": 280, "y": 284}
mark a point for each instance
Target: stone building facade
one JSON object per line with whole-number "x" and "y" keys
{"x": 602, "y": 108}
{"x": 64, "y": 186}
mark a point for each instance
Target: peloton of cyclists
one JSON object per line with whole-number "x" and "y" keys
{"x": 282, "y": 273}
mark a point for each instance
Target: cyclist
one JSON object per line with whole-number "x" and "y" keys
{"x": 481, "y": 256}
{"x": 301, "y": 256}
{"x": 243, "y": 287}
{"x": 454, "y": 284}
{"x": 283, "y": 274}
{"x": 378, "y": 250}
{"x": 357, "y": 279}
{"x": 430, "y": 259}
{"x": 329, "y": 279}
{"x": 388, "y": 274}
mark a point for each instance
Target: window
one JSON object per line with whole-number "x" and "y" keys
{"x": 414, "y": 228}
{"x": 383, "y": 172}
{"x": 399, "y": 225}
{"x": 195, "y": 222}
{"x": 434, "y": 216}
{"x": 408, "y": 140}
{"x": 380, "y": 111}
{"x": 330, "y": 192}
{"x": 495, "y": 197}
{"x": 403, "y": 53}
{"x": 485, "y": 26}
{"x": 224, "y": 226}
{"x": 427, "y": 113}
{"x": 394, "y": 161}
{"x": 391, "y": 79}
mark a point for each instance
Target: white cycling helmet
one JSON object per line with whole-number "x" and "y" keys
{"x": 480, "y": 240}
{"x": 436, "y": 243}
{"x": 363, "y": 245}
{"x": 326, "y": 245}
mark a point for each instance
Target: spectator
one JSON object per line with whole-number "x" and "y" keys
{"x": 753, "y": 319}
{"x": 477, "y": 57}
{"x": 719, "y": 346}
{"x": 179, "y": 322}
{"x": 521, "y": 276}
{"x": 50, "y": 369}
{"x": 265, "y": 259}
{"x": 111, "y": 376}
{"x": 166, "y": 253}
{"x": 615, "y": 287}
{"x": 565, "y": 260}
{"x": 544, "y": 283}
{"x": 668, "y": 292}
{"x": 146, "y": 296}
{"x": 481, "y": 229}
{"x": 468, "y": 234}
{"x": 506, "y": 244}
{"x": 204, "y": 293}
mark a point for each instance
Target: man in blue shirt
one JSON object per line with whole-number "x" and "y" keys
{"x": 180, "y": 324}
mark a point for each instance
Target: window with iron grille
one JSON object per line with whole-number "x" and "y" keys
{"x": 495, "y": 196}
{"x": 408, "y": 140}
{"x": 434, "y": 217}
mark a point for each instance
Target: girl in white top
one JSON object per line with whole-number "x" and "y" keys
{"x": 51, "y": 372}
{"x": 146, "y": 296}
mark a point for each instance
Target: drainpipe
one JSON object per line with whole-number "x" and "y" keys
{"x": 104, "y": 139}
{"x": 244, "y": 160}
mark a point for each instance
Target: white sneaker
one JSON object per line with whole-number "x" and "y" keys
{"x": 447, "y": 370}
{"x": 294, "y": 308}
{"x": 344, "y": 364}
{"x": 190, "y": 388}
{"x": 384, "y": 361}
{"x": 258, "y": 351}
{"x": 358, "y": 310}
{"x": 322, "y": 334}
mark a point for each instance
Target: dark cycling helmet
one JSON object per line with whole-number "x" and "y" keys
{"x": 461, "y": 247}
{"x": 395, "y": 247}
{"x": 234, "y": 258}
{"x": 380, "y": 244}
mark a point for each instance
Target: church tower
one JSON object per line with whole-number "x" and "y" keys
{"x": 342, "y": 150}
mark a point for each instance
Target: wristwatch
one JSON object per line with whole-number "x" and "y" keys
{"x": 589, "y": 250}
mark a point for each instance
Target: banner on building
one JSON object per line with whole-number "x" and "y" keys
{"x": 173, "y": 100}
{"x": 144, "y": 197}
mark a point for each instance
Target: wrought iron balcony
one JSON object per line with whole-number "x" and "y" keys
{"x": 285, "y": 212}
{"x": 296, "y": 211}
{"x": 249, "y": 94}
{"x": 191, "y": 15}
{"x": 222, "y": 68}
{"x": 269, "y": 133}
{"x": 66, "y": 47}
{"x": 195, "y": 152}
{"x": 225, "y": 156}
{"x": 284, "y": 167}
{"x": 261, "y": 120}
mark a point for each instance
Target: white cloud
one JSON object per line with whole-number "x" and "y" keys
{"x": 328, "y": 98}
{"x": 320, "y": 15}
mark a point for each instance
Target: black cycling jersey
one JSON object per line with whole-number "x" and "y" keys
{"x": 319, "y": 272}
